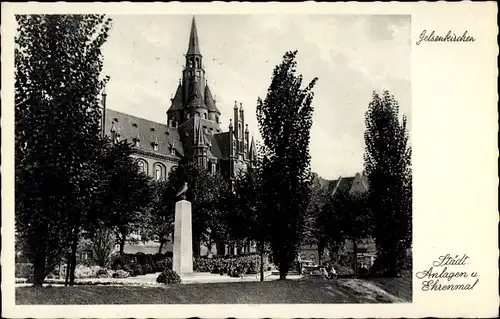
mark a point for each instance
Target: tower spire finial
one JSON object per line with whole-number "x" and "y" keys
{"x": 194, "y": 46}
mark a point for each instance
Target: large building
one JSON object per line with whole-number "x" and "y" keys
{"x": 191, "y": 131}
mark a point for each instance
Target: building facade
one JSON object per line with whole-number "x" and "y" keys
{"x": 191, "y": 132}
{"x": 192, "y": 129}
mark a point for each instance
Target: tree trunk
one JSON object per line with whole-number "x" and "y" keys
{"x": 283, "y": 270}
{"x": 122, "y": 244}
{"x": 74, "y": 246}
{"x": 355, "y": 258}
{"x": 39, "y": 269}
{"x": 68, "y": 266}
{"x": 162, "y": 242}
{"x": 221, "y": 249}
{"x": 261, "y": 261}
{"x": 320, "y": 253}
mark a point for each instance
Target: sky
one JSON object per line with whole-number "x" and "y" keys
{"x": 352, "y": 56}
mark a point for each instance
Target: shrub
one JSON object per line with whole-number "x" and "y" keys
{"x": 120, "y": 274}
{"x": 163, "y": 264}
{"x": 168, "y": 276}
{"x": 24, "y": 270}
{"x": 82, "y": 271}
{"x": 147, "y": 269}
{"x": 148, "y": 263}
{"x": 243, "y": 264}
{"x": 102, "y": 272}
{"x": 136, "y": 270}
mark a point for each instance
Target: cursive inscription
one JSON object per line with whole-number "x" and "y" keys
{"x": 447, "y": 273}
{"x": 448, "y": 37}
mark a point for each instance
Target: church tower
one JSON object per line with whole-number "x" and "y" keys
{"x": 193, "y": 78}
{"x": 193, "y": 97}
{"x": 194, "y": 115}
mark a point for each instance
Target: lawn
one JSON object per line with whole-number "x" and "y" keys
{"x": 310, "y": 290}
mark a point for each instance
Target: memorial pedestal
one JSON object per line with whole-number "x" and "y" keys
{"x": 182, "y": 262}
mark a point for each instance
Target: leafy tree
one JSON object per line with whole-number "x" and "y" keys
{"x": 58, "y": 63}
{"x": 101, "y": 244}
{"x": 315, "y": 232}
{"x": 159, "y": 220}
{"x": 333, "y": 228}
{"x": 248, "y": 217}
{"x": 205, "y": 191}
{"x": 126, "y": 194}
{"x": 388, "y": 168}
{"x": 285, "y": 119}
{"x": 351, "y": 216}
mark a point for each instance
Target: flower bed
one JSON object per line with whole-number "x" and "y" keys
{"x": 81, "y": 272}
{"x": 90, "y": 282}
{"x": 233, "y": 266}
{"x": 24, "y": 270}
{"x": 141, "y": 264}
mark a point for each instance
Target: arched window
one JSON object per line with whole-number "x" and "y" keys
{"x": 159, "y": 171}
{"x": 205, "y": 116}
{"x": 143, "y": 166}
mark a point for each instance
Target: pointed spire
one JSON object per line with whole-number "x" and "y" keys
{"x": 241, "y": 107}
{"x": 230, "y": 124}
{"x": 246, "y": 128}
{"x": 194, "y": 46}
{"x": 235, "y": 105}
{"x": 252, "y": 150}
{"x": 112, "y": 129}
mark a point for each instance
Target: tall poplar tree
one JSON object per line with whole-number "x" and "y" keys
{"x": 285, "y": 120}
{"x": 58, "y": 63}
{"x": 388, "y": 168}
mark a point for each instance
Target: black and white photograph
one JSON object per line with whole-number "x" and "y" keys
{"x": 214, "y": 157}
{"x": 233, "y": 158}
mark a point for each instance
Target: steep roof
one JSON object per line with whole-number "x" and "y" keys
{"x": 220, "y": 145}
{"x": 343, "y": 184}
{"x": 177, "y": 100}
{"x": 129, "y": 127}
{"x": 194, "y": 46}
{"x": 209, "y": 101}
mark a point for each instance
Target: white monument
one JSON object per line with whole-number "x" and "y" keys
{"x": 182, "y": 262}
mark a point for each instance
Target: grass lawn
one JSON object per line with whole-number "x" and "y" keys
{"x": 308, "y": 290}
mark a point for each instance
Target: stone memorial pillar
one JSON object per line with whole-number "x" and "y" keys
{"x": 182, "y": 262}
